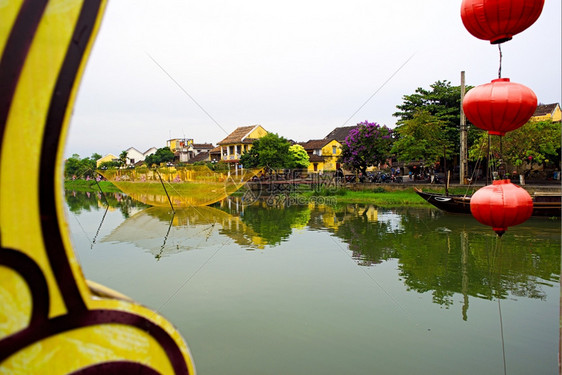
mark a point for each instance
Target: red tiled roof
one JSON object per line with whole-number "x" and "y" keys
{"x": 315, "y": 144}
{"x": 316, "y": 159}
{"x": 203, "y": 145}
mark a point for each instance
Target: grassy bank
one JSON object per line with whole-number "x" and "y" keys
{"x": 380, "y": 196}
{"x": 91, "y": 186}
{"x": 388, "y": 196}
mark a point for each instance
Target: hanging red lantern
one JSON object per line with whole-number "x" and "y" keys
{"x": 499, "y": 20}
{"x": 501, "y": 205}
{"x": 500, "y": 106}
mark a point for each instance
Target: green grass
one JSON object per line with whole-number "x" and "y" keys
{"x": 385, "y": 196}
{"x": 378, "y": 196}
{"x": 83, "y": 185}
{"x": 388, "y": 196}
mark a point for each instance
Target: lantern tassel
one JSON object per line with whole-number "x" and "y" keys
{"x": 500, "y": 231}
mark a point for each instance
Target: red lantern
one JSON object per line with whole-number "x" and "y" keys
{"x": 499, "y": 20}
{"x": 501, "y": 205}
{"x": 499, "y": 106}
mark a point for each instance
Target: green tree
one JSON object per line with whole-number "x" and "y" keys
{"x": 443, "y": 102}
{"x": 74, "y": 166}
{"x": 366, "y": 145}
{"x": 275, "y": 224}
{"x": 123, "y": 158}
{"x": 270, "y": 151}
{"x": 421, "y": 138}
{"x": 537, "y": 142}
{"x": 162, "y": 155}
{"x": 299, "y": 156}
{"x": 109, "y": 164}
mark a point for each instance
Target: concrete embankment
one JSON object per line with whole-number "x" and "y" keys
{"x": 531, "y": 187}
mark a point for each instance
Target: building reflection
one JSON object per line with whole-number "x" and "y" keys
{"x": 441, "y": 254}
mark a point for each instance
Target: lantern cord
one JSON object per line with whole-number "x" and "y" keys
{"x": 488, "y": 156}
{"x": 500, "y": 161}
{"x": 474, "y": 176}
{"x": 500, "y": 69}
{"x": 499, "y": 247}
{"x": 503, "y": 342}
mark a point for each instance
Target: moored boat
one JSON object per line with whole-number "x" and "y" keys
{"x": 544, "y": 204}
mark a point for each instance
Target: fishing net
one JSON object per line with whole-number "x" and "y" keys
{"x": 182, "y": 186}
{"x": 163, "y": 232}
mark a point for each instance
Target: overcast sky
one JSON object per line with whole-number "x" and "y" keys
{"x": 199, "y": 69}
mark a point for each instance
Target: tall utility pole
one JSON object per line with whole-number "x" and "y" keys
{"x": 464, "y": 142}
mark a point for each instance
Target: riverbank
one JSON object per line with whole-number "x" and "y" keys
{"x": 91, "y": 186}
{"x": 384, "y": 195}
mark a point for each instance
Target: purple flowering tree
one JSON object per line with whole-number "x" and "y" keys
{"x": 367, "y": 145}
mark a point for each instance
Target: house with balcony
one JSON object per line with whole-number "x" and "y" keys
{"x": 238, "y": 142}
{"x": 323, "y": 154}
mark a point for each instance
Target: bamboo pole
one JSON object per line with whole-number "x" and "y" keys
{"x": 464, "y": 141}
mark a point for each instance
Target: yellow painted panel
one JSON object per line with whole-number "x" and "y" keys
{"x": 15, "y": 302}
{"x": 70, "y": 351}
{"x": 19, "y": 213}
{"x": 8, "y": 12}
{"x": 20, "y": 220}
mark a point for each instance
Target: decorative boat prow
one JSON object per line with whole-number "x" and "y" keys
{"x": 52, "y": 322}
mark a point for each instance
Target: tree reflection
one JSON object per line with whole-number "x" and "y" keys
{"x": 448, "y": 254}
{"x": 437, "y": 253}
{"x": 78, "y": 201}
{"x": 369, "y": 240}
{"x": 274, "y": 223}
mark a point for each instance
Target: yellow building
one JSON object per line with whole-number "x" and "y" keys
{"x": 108, "y": 157}
{"x": 177, "y": 144}
{"x": 547, "y": 112}
{"x": 323, "y": 154}
{"x": 239, "y": 141}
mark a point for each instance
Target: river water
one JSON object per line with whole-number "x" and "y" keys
{"x": 332, "y": 289}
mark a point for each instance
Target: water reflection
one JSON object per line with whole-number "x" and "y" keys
{"x": 446, "y": 254}
{"x": 436, "y": 253}
{"x": 163, "y": 232}
{"x": 272, "y": 223}
{"x": 78, "y": 201}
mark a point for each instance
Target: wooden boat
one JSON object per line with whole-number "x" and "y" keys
{"x": 544, "y": 204}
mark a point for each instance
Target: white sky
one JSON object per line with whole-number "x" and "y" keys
{"x": 299, "y": 68}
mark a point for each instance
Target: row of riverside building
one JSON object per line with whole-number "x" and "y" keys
{"x": 323, "y": 153}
